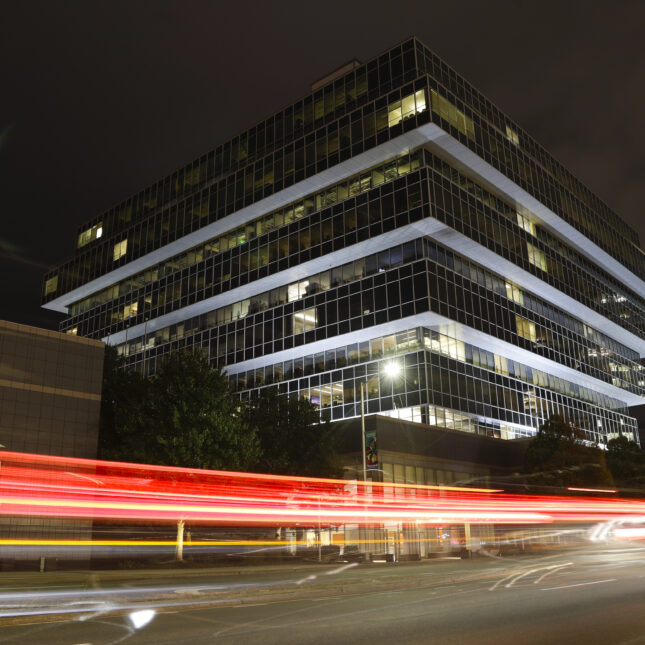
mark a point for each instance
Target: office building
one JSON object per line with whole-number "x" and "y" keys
{"x": 393, "y": 228}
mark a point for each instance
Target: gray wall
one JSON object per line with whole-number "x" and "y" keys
{"x": 50, "y": 391}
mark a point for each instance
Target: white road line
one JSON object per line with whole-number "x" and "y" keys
{"x": 581, "y": 584}
{"x": 343, "y": 568}
{"x": 548, "y": 573}
{"x": 518, "y": 575}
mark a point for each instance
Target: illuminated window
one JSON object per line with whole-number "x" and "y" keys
{"x": 420, "y": 100}
{"x": 530, "y": 402}
{"x": 446, "y": 345}
{"x": 337, "y": 393}
{"x": 389, "y": 345}
{"x": 120, "y": 249}
{"x": 90, "y": 235}
{"x": 450, "y": 419}
{"x": 323, "y": 393}
{"x": 525, "y": 328}
{"x": 501, "y": 364}
{"x": 297, "y": 290}
{"x": 453, "y": 348}
{"x": 130, "y": 310}
{"x": 508, "y": 432}
{"x": 406, "y": 107}
{"x": 514, "y": 293}
{"x": 405, "y": 414}
{"x": 51, "y": 285}
{"x": 511, "y": 135}
{"x": 394, "y": 114}
{"x": 536, "y": 257}
{"x": 526, "y": 224}
{"x": 450, "y": 113}
{"x": 304, "y": 321}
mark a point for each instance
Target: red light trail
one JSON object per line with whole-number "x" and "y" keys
{"x": 38, "y": 485}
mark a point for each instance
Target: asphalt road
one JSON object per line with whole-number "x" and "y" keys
{"x": 591, "y": 595}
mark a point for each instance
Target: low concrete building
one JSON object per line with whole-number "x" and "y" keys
{"x": 416, "y": 453}
{"x": 50, "y": 403}
{"x": 50, "y": 391}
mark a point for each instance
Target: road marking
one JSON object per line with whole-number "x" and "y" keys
{"x": 551, "y": 569}
{"x": 307, "y": 579}
{"x": 513, "y": 577}
{"x": 580, "y": 584}
{"x": 257, "y": 604}
{"x": 343, "y": 568}
{"x": 548, "y": 573}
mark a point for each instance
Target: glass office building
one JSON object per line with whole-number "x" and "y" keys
{"x": 393, "y": 228}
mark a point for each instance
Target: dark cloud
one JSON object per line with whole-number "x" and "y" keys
{"x": 102, "y": 98}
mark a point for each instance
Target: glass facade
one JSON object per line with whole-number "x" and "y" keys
{"x": 377, "y": 292}
{"x": 470, "y": 389}
{"x": 335, "y": 237}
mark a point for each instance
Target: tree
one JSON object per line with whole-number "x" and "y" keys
{"x": 124, "y": 428}
{"x": 199, "y": 421}
{"x": 293, "y": 440}
{"x": 626, "y": 461}
{"x": 185, "y": 415}
{"x": 559, "y": 456}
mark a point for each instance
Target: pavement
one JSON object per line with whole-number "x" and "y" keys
{"x": 589, "y": 595}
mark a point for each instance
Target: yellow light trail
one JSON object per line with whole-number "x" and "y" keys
{"x": 219, "y": 543}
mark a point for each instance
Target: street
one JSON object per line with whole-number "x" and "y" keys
{"x": 590, "y": 595}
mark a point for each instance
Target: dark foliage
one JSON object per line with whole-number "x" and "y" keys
{"x": 626, "y": 461}
{"x": 558, "y": 456}
{"x": 293, "y": 440}
{"x": 184, "y": 416}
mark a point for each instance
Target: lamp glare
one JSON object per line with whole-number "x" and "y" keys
{"x": 392, "y": 369}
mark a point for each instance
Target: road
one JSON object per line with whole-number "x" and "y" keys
{"x": 591, "y": 595}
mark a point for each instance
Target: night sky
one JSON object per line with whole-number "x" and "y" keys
{"x": 100, "y": 99}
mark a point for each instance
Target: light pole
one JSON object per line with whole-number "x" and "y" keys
{"x": 363, "y": 453}
{"x": 319, "y": 534}
{"x": 179, "y": 544}
{"x": 392, "y": 371}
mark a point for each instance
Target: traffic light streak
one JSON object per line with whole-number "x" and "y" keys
{"x": 38, "y": 485}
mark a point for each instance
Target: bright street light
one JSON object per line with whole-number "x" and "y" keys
{"x": 392, "y": 369}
